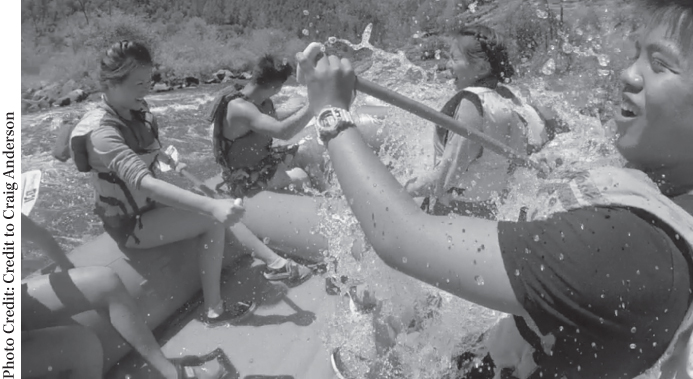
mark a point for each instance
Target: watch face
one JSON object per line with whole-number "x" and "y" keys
{"x": 329, "y": 120}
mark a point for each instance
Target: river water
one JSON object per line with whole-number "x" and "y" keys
{"x": 445, "y": 329}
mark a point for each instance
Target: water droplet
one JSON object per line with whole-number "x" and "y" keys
{"x": 542, "y": 13}
{"x": 654, "y": 344}
{"x": 603, "y": 60}
{"x": 206, "y": 246}
{"x": 579, "y": 31}
{"x": 633, "y": 330}
{"x": 536, "y": 238}
{"x": 479, "y": 280}
{"x": 437, "y": 55}
{"x": 603, "y": 72}
{"x": 594, "y": 345}
{"x": 50, "y": 368}
{"x": 601, "y": 320}
{"x": 332, "y": 40}
{"x": 541, "y": 267}
{"x": 632, "y": 346}
{"x": 616, "y": 312}
{"x": 447, "y": 280}
{"x": 560, "y": 328}
{"x": 266, "y": 240}
{"x": 404, "y": 259}
{"x": 560, "y": 257}
{"x": 527, "y": 251}
{"x": 305, "y": 12}
{"x": 637, "y": 272}
{"x": 428, "y": 265}
{"x": 517, "y": 272}
{"x": 567, "y": 48}
{"x": 306, "y": 32}
{"x": 549, "y": 67}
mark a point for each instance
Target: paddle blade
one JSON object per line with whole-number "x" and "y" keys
{"x": 31, "y": 181}
{"x": 172, "y": 153}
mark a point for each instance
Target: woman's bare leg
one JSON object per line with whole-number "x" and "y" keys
{"x": 85, "y": 288}
{"x": 165, "y": 225}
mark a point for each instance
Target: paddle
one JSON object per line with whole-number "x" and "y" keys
{"x": 31, "y": 181}
{"x": 171, "y": 154}
{"x": 313, "y": 52}
{"x": 445, "y": 121}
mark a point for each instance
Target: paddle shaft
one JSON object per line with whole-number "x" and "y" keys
{"x": 192, "y": 178}
{"x": 445, "y": 121}
{"x": 198, "y": 183}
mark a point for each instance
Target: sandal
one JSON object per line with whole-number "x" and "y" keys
{"x": 185, "y": 365}
{"x": 235, "y": 313}
{"x": 291, "y": 272}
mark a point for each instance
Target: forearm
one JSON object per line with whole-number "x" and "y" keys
{"x": 436, "y": 250}
{"x": 377, "y": 199}
{"x": 290, "y": 126}
{"x": 288, "y": 111}
{"x": 175, "y": 197}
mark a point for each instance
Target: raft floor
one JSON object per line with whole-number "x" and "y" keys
{"x": 280, "y": 340}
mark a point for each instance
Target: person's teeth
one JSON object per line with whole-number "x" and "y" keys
{"x": 628, "y": 108}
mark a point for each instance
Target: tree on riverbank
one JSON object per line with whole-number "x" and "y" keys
{"x": 62, "y": 39}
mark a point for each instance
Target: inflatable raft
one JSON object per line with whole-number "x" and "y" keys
{"x": 281, "y": 340}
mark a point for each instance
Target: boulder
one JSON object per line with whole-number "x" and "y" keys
{"x": 75, "y": 96}
{"x": 94, "y": 96}
{"x": 221, "y": 74}
{"x": 245, "y": 75}
{"x": 161, "y": 87}
{"x": 68, "y": 87}
{"x": 191, "y": 81}
{"x": 51, "y": 91}
{"x": 63, "y": 101}
{"x": 28, "y": 94}
{"x": 156, "y": 77}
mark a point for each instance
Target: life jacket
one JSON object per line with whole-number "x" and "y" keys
{"x": 618, "y": 187}
{"x": 245, "y": 151}
{"x": 114, "y": 197}
{"x": 489, "y": 171}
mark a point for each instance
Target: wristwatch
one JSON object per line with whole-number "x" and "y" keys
{"x": 331, "y": 121}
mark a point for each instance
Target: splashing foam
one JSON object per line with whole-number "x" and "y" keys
{"x": 455, "y": 325}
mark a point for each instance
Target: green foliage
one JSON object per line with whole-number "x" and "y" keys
{"x": 65, "y": 38}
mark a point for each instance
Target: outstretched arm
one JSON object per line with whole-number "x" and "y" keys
{"x": 461, "y": 255}
{"x": 43, "y": 238}
{"x": 110, "y": 148}
{"x": 248, "y": 114}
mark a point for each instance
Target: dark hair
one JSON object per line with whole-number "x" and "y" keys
{"x": 120, "y": 59}
{"x": 677, "y": 14}
{"x": 270, "y": 70}
{"x": 490, "y": 50}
